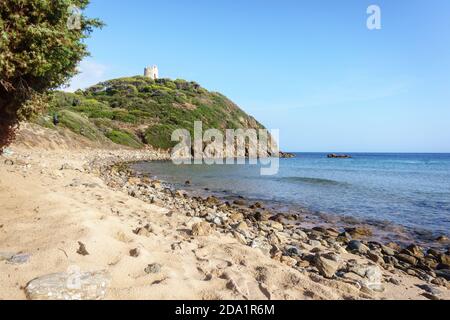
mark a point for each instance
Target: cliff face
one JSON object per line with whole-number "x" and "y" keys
{"x": 139, "y": 111}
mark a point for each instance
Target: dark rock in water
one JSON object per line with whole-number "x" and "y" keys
{"x": 153, "y": 268}
{"x": 338, "y": 156}
{"x": 407, "y": 258}
{"x": 188, "y": 183}
{"x": 286, "y": 155}
{"x": 357, "y": 246}
{"x": 82, "y": 249}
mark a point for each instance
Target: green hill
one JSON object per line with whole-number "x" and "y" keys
{"x": 137, "y": 111}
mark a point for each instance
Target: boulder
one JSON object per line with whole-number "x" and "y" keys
{"x": 326, "y": 267}
{"x": 371, "y": 274}
{"x": 69, "y": 286}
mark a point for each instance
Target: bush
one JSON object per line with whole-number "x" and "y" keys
{"x": 124, "y": 138}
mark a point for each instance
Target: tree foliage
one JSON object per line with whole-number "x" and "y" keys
{"x": 41, "y": 43}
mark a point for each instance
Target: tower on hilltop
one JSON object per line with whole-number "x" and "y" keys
{"x": 151, "y": 72}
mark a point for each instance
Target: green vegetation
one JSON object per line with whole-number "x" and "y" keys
{"x": 136, "y": 111}
{"x": 39, "y": 50}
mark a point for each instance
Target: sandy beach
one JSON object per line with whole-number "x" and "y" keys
{"x": 64, "y": 208}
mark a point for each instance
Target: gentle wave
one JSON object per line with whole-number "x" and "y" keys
{"x": 317, "y": 181}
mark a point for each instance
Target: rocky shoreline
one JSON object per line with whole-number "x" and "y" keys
{"x": 317, "y": 251}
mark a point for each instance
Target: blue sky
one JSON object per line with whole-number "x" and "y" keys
{"x": 310, "y": 68}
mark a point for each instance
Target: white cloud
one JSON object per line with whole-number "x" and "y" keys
{"x": 90, "y": 73}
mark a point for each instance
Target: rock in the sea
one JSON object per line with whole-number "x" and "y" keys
{"x": 357, "y": 246}
{"x": 326, "y": 267}
{"x": 69, "y": 286}
{"x": 201, "y": 229}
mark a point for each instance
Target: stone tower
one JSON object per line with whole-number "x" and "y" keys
{"x": 151, "y": 72}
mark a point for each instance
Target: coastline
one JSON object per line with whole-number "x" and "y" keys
{"x": 382, "y": 231}
{"x": 154, "y": 245}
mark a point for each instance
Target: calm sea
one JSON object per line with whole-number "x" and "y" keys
{"x": 408, "y": 190}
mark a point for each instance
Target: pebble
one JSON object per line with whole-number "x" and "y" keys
{"x": 135, "y": 252}
{"x": 153, "y": 268}
{"x": 82, "y": 249}
{"x": 20, "y": 258}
